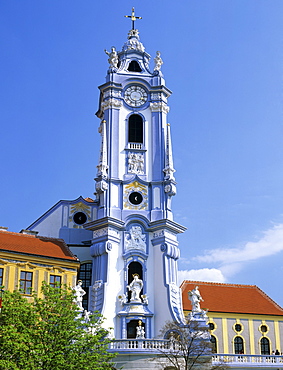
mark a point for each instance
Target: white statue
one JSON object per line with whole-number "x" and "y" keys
{"x": 87, "y": 315}
{"x": 132, "y": 163}
{"x": 140, "y": 165}
{"x": 195, "y": 298}
{"x": 135, "y": 163}
{"x": 113, "y": 57}
{"x": 140, "y": 331}
{"x": 158, "y": 61}
{"x": 135, "y": 287}
{"x": 136, "y": 239}
{"x": 79, "y": 293}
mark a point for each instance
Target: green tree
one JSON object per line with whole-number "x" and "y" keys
{"x": 48, "y": 333}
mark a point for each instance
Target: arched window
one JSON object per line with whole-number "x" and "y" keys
{"x": 85, "y": 276}
{"x": 238, "y": 345}
{"x": 213, "y": 344}
{"x": 134, "y": 66}
{"x": 134, "y": 268}
{"x": 264, "y": 346}
{"x": 135, "y": 129}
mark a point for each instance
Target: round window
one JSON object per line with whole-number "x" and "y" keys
{"x": 238, "y": 327}
{"x": 263, "y": 328}
{"x": 211, "y": 326}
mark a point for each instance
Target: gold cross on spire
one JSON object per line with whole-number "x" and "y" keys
{"x": 133, "y": 18}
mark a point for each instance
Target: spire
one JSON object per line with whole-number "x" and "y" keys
{"x": 102, "y": 166}
{"x": 169, "y": 169}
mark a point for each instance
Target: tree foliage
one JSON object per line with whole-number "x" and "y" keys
{"x": 47, "y": 333}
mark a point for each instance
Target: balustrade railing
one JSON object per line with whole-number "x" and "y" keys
{"x": 251, "y": 360}
{"x": 161, "y": 345}
{"x": 143, "y": 344}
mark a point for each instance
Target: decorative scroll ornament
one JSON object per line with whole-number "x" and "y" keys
{"x": 159, "y": 107}
{"x": 111, "y": 103}
{"x": 170, "y": 189}
{"x": 169, "y": 169}
{"x": 97, "y": 296}
{"x": 158, "y": 62}
{"x": 112, "y": 93}
{"x": 106, "y": 231}
{"x": 136, "y": 163}
{"x": 123, "y": 298}
{"x": 176, "y": 303}
{"x": 135, "y": 239}
{"x": 101, "y": 186}
{"x": 156, "y": 96}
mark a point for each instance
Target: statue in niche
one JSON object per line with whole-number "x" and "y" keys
{"x": 140, "y": 331}
{"x": 158, "y": 62}
{"x": 195, "y": 298}
{"x": 135, "y": 287}
{"x": 79, "y": 293}
{"x": 135, "y": 239}
{"x": 136, "y": 163}
{"x": 113, "y": 57}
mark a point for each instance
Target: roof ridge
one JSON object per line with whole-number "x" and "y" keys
{"x": 270, "y": 299}
{"x": 216, "y": 283}
{"x": 7, "y": 232}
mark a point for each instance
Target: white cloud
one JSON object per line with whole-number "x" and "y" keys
{"x": 269, "y": 244}
{"x": 206, "y": 274}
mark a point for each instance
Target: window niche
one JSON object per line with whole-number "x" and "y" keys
{"x": 135, "y": 129}
{"x": 133, "y": 269}
{"x": 238, "y": 345}
{"x": 84, "y": 275}
{"x": 264, "y": 346}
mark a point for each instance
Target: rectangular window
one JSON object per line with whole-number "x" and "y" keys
{"x": 26, "y": 282}
{"x": 1, "y": 276}
{"x": 55, "y": 281}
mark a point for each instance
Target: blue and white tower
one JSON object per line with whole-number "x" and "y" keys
{"x": 134, "y": 247}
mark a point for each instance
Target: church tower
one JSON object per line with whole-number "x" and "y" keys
{"x": 134, "y": 249}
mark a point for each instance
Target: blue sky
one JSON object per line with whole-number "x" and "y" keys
{"x": 223, "y": 62}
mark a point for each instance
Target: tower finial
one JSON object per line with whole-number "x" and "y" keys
{"x": 133, "y": 18}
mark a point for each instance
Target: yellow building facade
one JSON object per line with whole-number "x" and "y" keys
{"x": 26, "y": 260}
{"x": 242, "y": 318}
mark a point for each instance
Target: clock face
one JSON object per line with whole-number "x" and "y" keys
{"x": 80, "y": 218}
{"x": 135, "y": 198}
{"x": 135, "y": 96}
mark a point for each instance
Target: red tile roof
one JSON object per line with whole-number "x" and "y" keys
{"x": 234, "y": 298}
{"x": 35, "y": 245}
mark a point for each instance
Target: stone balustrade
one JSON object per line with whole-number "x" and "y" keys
{"x": 151, "y": 345}
{"x": 247, "y": 360}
